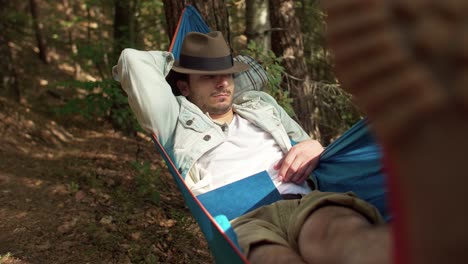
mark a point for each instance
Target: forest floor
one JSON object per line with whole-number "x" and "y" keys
{"x": 74, "y": 192}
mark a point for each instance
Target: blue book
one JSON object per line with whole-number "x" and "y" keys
{"x": 240, "y": 197}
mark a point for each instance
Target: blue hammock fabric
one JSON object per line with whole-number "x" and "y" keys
{"x": 354, "y": 163}
{"x": 217, "y": 230}
{"x": 190, "y": 21}
{"x": 351, "y": 163}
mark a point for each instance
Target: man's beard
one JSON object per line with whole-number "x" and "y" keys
{"x": 223, "y": 108}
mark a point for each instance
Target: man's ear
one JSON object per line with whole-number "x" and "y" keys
{"x": 183, "y": 87}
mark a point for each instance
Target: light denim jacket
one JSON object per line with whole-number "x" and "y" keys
{"x": 182, "y": 128}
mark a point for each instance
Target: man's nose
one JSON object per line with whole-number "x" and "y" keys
{"x": 222, "y": 80}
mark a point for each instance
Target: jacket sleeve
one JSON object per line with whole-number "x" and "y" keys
{"x": 294, "y": 130}
{"x": 142, "y": 76}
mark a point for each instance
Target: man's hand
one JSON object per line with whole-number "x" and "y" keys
{"x": 299, "y": 162}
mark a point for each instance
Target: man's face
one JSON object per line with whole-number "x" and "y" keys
{"x": 211, "y": 93}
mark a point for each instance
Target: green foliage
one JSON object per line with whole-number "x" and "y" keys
{"x": 15, "y": 20}
{"x": 335, "y": 111}
{"x": 93, "y": 57}
{"x": 313, "y": 28}
{"x": 73, "y": 187}
{"x": 102, "y": 99}
{"x": 152, "y": 25}
{"x": 272, "y": 65}
{"x": 146, "y": 181}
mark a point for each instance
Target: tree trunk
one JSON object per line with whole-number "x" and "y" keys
{"x": 172, "y": 10}
{"x": 41, "y": 43}
{"x": 287, "y": 43}
{"x": 123, "y": 20}
{"x": 136, "y": 35}
{"x": 71, "y": 37}
{"x": 214, "y": 13}
{"x": 257, "y": 20}
{"x": 8, "y": 71}
{"x": 13, "y": 78}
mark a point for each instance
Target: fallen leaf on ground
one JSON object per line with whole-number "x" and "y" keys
{"x": 167, "y": 223}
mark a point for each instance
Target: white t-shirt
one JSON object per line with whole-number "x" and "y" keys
{"x": 234, "y": 159}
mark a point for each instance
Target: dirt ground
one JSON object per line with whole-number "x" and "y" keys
{"x": 80, "y": 193}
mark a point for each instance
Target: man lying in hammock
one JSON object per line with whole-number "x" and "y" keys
{"x": 216, "y": 140}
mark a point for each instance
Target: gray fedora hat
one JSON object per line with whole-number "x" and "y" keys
{"x": 207, "y": 54}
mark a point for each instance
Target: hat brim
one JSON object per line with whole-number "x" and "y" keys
{"x": 236, "y": 68}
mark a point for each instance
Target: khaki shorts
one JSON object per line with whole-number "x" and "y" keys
{"x": 280, "y": 223}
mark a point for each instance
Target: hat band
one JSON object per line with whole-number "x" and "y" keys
{"x": 206, "y": 64}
